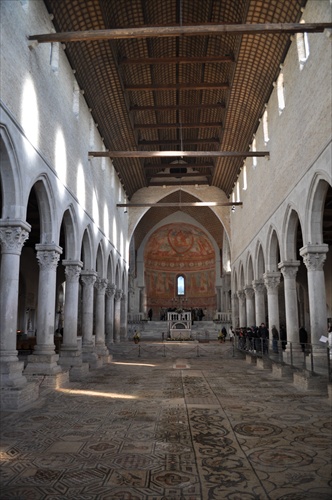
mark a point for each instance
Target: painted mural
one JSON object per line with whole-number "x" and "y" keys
{"x": 182, "y": 249}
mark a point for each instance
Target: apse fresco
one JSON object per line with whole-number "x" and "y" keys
{"x": 176, "y": 249}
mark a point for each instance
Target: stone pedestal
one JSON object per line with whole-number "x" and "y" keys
{"x": 280, "y": 370}
{"x": 14, "y": 398}
{"x": 264, "y": 363}
{"x": 251, "y": 359}
{"x": 91, "y": 357}
{"x": 305, "y": 380}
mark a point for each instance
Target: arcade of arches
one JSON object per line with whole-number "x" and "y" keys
{"x": 75, "y": 267}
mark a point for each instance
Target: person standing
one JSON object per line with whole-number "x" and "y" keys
{"x": 150, "y": 312}
{"x": 275, "y": 339}
{"x": 283, "y": 337}
{"x": 303, "y": 336}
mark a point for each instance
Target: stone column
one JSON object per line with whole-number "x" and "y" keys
{"x": 314, "y": 257}
{"x": 117, "y": 315}
{"x": 43, "y": 361}
{"x": 219, "y": 298}
{"x": 13, "y": 234}
{"x": 250, "y": 305}
{"x": 142, "y": 300}
{"x": 70, "y": 355}
{"x": 272, "y": 281}
{"x": 110, "y": 291}
{"x": 289, "y": 271}
{"x": 235, "y": 311}
{"x": 259, "y": 289}
{"x": 100, "y": 286}
{"x": 242, "y": 308}
{"x": 123, "y": 317}
{"x": 88, "y": 278}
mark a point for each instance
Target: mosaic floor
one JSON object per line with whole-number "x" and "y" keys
{"x": 170, "y": 426}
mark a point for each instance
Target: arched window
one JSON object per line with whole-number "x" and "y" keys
{"x": 180, "y": 285}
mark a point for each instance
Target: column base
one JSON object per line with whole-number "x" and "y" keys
{"x": 42, "y": 364}
{"x": 91, "y": 357}
{"x": 50, "y": 381}
{"x": 11, "y": 374}
{"x": 103, "y": 354}
{"x": 70, "y": 357}
{"x": 14, "y": 398}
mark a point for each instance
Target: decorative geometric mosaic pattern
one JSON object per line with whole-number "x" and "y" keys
{"x": 146, "y": 430}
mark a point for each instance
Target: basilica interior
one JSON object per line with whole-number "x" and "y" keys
{"x": 165, "y": 234}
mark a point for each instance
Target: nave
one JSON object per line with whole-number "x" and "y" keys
{"x": 177, "y": 427}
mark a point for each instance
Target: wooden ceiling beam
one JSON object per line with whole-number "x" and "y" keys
{"x": 177, "y": 86}
{"x": 176, "y": 60}
{"x": 177, "y": 107}
{"x": 162, "y": 166}
{"x": 177, "y": 175}
{"x": 140, "y": 126}
{"x": 175, "y": 31}
{"x": 164, "y": 154}
{"x": 182, "y": 204}
{"x": 166, "y": 142}
{"x": 185, "y": 183}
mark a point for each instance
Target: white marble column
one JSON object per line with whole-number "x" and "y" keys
{"x": 70, "y": 355}
{"x": 314, "y": 257}
{"x": 123, "y": 317}
{"x": 13, "y": 234}
{"x": 242, "y": 308}
{"x": 88, "y": 278}
{"x": 110, "y": 291}
{"x": 259, "y": 289}
{"x": 235, "y": 311}
{"x": 44, "y": 359}
{"x": 117, "y": 315}
{"x": 100, "y": 286}
{"x": 250, "y": 305}
{"x": 272, "y": 281}
{"x": 289, "y": 270}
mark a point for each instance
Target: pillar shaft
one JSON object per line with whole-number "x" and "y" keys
{"x": 259, "y": 289}
{"x": 88, "y": 279}
{"x": 242, "y": 308}
{"x": 314, "y": 257}
{"x": 250, "y": 305}
{"x": 289, "y": 271}
{"x": 13, "y": 234}
{"x": 72, "y": 270}
{"x": 100, "y": 286}
{"x": 110, "y": 291}
{"x": 272, "y": 281}
{"x": 117, "y": 315}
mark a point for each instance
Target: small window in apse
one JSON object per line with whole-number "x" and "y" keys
{"x": 180, "y": 285}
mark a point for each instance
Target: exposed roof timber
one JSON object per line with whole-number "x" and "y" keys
{"x": 176, "y": 183}
{"x": 177, "y": 60}
{"x": 156, "y": 154}
{"x": 171, "y": 31}
{"x": 182, "y": 204}
{"x": 178, "y": 86}
{"x": 177, "y": 125}
{"x": 177, "y": 106}
{"x": 162, "y": 166}
{"x": 177, "y": 175}
{"x": 165, "y": 142}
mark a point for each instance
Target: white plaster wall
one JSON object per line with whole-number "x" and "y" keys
{"x": 39, "y": 154}
{"x": 299, "y": 143}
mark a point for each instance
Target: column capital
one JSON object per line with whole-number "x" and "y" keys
{"x": 118, "y": 295}
{"x": 13, "y": 234}
{"x": 314, "y": 256}
{"x": 241, "y": 295}
{"x": 72, "y": 270}
{"x": 249, "y": 292}
{"x": 272, "y": 281}
{"x": 259, "y": 286}
{"x": 289, "y": 268}
{"x": 100, "y": 285}
{"x": 48, "y": 255}
{"x": 88, "y": 277}
{"x": 110, "y": 290}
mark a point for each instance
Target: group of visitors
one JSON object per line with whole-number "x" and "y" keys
{"x": 256, "y": 338}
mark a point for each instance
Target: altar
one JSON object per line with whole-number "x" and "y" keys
{"x": 179, "y": 325}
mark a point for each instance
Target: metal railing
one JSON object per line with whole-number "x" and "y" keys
{"x": 315, "y": 358}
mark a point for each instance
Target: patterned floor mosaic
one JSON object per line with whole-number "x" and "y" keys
{"x": 170, "y": 428}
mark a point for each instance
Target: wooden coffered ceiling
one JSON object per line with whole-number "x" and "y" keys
{"x": 176, "y": 75}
